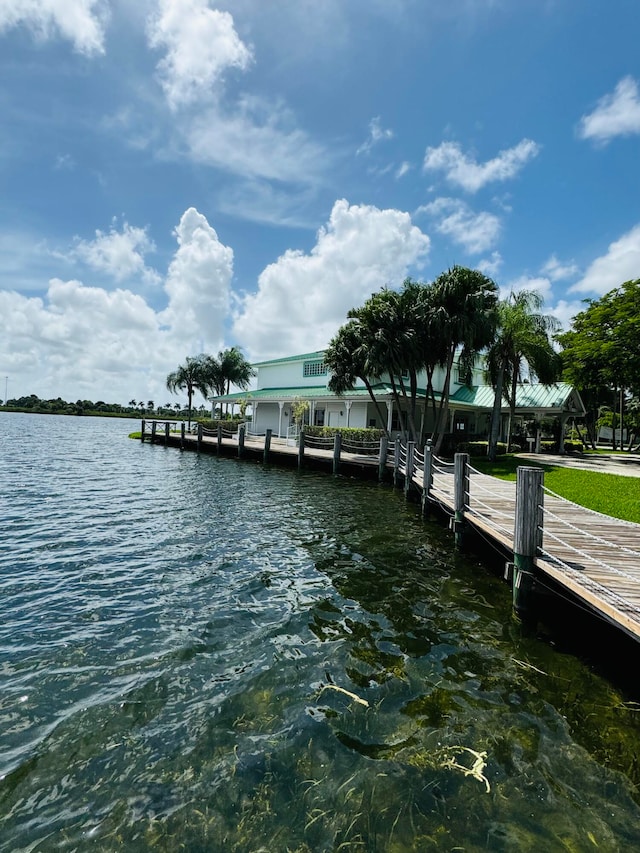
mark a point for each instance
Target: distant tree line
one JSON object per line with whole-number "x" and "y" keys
{"x": 58, "y": 406}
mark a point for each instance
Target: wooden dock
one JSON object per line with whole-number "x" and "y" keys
{"x": 593, "y": 557}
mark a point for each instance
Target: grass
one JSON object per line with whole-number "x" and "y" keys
{"x": 611, "y": 494}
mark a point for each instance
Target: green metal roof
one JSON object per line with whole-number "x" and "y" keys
{"x": 303, "y": 357}
{"x": 312, "y": 392}
{"x": 527, "y": 396}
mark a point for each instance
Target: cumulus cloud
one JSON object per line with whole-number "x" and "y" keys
{"x": 302, "y": 299}
{"x": 616, "y": 114}
{"x": 82, "y": 22}
{"x": 475, "y": 232}
{"x": 539, "y": 284}
{"x": 621, "y": 263}
{"x": 200, "y": 44}
{"x": 198, "y": 283}
{"x": 490, "y": 266}
{"x": 402, "y": 169}
{"x": 119, "y": 253}
{"x": 557, "y": 270}
{"x": 463, "y": 171}
{"x": 85, "y": 341}
{"x": 377, "y": 133}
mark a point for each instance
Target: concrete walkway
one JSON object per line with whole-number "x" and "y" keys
{"x": 627, "y": 465}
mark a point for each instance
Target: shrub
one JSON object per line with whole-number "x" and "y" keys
{"x": 349, "y": 433}
{"x": 572, "y": 446}
{"x": 549, "y": 446}
{"x": 229, "y": 425}
{"x": 479, "y": 448}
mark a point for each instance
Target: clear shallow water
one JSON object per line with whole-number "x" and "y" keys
{"x": 174, "y": 630}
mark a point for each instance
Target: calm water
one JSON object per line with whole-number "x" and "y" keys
{"x": 177, "y": 635}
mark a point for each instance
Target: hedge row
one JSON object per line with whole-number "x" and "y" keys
{"x": 349, "y": 433}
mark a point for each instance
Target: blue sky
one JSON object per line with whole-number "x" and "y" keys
{"x": 181, "y": 176}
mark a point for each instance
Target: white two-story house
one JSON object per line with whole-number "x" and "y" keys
{"x": 282, "y": 382}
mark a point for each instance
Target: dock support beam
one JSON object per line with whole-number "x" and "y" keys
{"x": 267, "y": 445}
{"x": 527, "y": 536}
{"x": 427, "y": 477}
{"x": 301, "y": 450}
{"x": 182, "y": 436}
{"x": 396, "y": 462}
{"x": 199, "y": 437}
{"x": 167, "y": 426}
{"x": 153, "y": 432}
{"x": 144, "y": 424}
{"x": 337, "y": 449}
{"x": 240, "y": 441}
{"x": 382, "y": 459}
{"x": 219, "y": 443}
{"x": 408, "y": 477}
{"x": 461, "y": 490}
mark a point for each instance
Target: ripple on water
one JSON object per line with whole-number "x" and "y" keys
{"x": 202, "y": 654}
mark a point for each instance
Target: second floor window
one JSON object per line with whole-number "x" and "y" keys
{"x": 314, "y": 368}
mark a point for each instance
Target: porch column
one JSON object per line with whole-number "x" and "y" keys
{"x": 348, "y": 405}
{"x": 254, "y": 417}
{"x": 563, "y": 423}
{"x": 281, "y": 407}
{"x": 389, "y": 415}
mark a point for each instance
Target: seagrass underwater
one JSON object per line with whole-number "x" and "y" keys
{"x": 201, "y": 653}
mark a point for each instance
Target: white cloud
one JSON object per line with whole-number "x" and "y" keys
{"x": 89, "y": 342}
{"x": 617, "y": 114}
{"x": 377, "y": 133}
{"x": 403, "y": 168}
{"x": 539, "y": 284}
{"x": 476, "y": 232}
{"x": 119, "y": 253}
{"x": 198, "y": 283}
{"x": 557, "y": 270}
{"x": 201, "y": 44}
{"x": 490, "y": 266}
{"x": 80, "y": 21}
{"x": 302, "y": 299}
{"x": 259, "y": 140}
{"x": 621, "y": 263}
{"x": 465, "y": 172}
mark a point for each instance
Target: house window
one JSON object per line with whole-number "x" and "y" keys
{"x": 314, "y": 368}
{"x": 460, "y": 377}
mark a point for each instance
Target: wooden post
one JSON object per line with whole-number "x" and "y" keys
{"x": 219, "y": 444}
{"x": 527, "y": 535}
{"x": 382, "y": 459}
{"x": 396, "y": 461}
{"x": 408, "y": 477}
{"x": 267, "y": 445}
{"x": 301, "y": 449}
{"x": 461, "y": 490}
{"x": 337, "y": 448}
{"x": 153, "y": 432}
{"x": 166, "y": 432}
{"x": 240, "y": 441}
{"x": 182, "y": 436}
{"x": 144, "y": 424}
{"x": 427, "y": 476}
{"x": 199, "y": 437}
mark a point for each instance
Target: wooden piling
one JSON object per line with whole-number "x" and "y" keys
{"x": 219, "y": 444}
{"x": 337, "y": 449}
{"x": 397, "y": 447}
{"x": 301, "y": 450}
{"x": 382, "y": 458}
{"x": 527, "y": 535}
{"x": 153, "y": 432}
{"x": 240, "y": 441}
{"x": 267, "y": 445}
{"x": 144, "y": 424}
{"x": 427, "y": 477}
{"x": 182, "y": 431}
{"x": 167, "y": 427}
{"x": 461, "y": 490}
{"x": 408, "y": 477}
{"x": 199, "y": 437}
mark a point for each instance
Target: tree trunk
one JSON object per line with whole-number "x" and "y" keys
{"x": 379, "y": 411}
{"x": 494, "y": 433}
{"x": 444, "y": 405}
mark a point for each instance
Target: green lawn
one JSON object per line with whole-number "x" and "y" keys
{"x": 608, "y": 493}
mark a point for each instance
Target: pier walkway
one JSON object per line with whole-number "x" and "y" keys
{"x": 594, "y": 557}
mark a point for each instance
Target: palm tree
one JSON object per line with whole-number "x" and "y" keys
{"x": 462, "y": 319}
{"x": 523, "y": 340}
{"x": 189, "y": 377}
{"x": 229, "y": 368}
{"x": 347, "y": 359}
